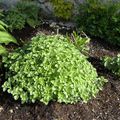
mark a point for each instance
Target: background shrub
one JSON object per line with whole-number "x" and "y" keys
{"x": 49, "y": 68}
{"x": 25, "y": 12}
{"x": 100, "y": 19}
{"x": 62, "y": 9}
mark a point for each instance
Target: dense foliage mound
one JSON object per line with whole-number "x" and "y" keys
{"x": 113, "y": 64}
{"x": 50, "y": 68}
{"x": 100, "y": 19}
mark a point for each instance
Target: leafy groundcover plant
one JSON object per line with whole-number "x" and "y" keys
{"x": 50, "y": 69}
{"x": 100, "y": 19}
{"x": 113, "y": 64}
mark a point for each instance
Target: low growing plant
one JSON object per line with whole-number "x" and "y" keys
{"x": 49, "y": 68}
{"x": 100, "y": 19}
{"x": 25, "y": 12}
{"x": 113, "y": 64}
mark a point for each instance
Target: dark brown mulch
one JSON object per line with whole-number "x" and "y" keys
{"x": 100, "y": 48}
{"x": 106, "y": 106}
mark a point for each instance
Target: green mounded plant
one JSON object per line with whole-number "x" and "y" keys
{"x": 49, "y": 68}
{"x": 62, "y": 9}
{"x": 25, "y": 12}
{"x": 100, "y": 19}
{"x": 113, "y": 64}
{"x": 5, "y": 37}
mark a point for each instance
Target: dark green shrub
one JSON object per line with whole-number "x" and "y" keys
{"x": 23, "y": 13}
{"x": 100, "y": 19}
{"x": 49, "y": 68}
{"x": 113, "y": 64}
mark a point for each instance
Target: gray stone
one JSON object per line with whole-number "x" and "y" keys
{"x": 53, "y": 24}
{"x": 8, "y": 3}
{"x": 70, "y": 24}
{"x": 1, "y": 109}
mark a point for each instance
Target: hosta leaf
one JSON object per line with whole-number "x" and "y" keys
{"x": 2, "y": 28}
{"x": 6, "y": 38}
{"x": 3, "y": 24}
{"x": 2, "y": 50}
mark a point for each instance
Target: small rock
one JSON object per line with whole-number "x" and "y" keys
{"x": 47, "y": 22}
{"x": 70, "y": 24}
{"x": 68, "y": 28}
{"x": 16, "y": 107}
{"x": 1, "y": 109}
{"x": 53, "y": 32}
{"x": 106, "y": 113}
{"x": 11, "y": 110}
{"x": 61, "y": 23}
{"x": 53, "y": 24}
{"x": 63, "y": 27}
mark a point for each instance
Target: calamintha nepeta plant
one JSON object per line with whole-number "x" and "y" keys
{"x": 49, "y": 68}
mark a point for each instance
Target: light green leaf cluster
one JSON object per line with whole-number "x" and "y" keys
{"x": 50, "y": 69}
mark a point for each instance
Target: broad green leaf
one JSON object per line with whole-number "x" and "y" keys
{"x": 2, "y": 50}
{"x": 3, "y": 24}
{"x": 6, "y": 38}
{"x": 2, "y": 28}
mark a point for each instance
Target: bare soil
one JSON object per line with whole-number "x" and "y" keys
{"x": 106, "y": 106}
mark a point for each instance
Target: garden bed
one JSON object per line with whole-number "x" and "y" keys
{"x": 106, "y": 106}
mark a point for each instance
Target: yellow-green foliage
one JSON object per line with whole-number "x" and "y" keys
{"x": 50, "y": 69}
{"x": 62, "y": 9}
